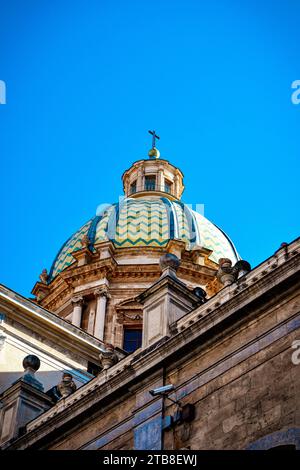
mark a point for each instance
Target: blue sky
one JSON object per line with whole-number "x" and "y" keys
{"x": 86, "y": 80}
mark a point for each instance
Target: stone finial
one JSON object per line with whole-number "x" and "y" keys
{"x": 44, "y": 276}
{"x": 225, "y": 272}
{"x": 85, "y": 241}
{"x": 67, "y": 385}
{"x": 108, "y": 357}
{"x": 200, "y": 293}
{"x": 31, "y": 364}
{"x": 285, "y": 246}
{"x": 228, "y": 274}
{"x": 169, "y": 264}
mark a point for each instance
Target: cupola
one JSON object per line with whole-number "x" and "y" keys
{"x": 153, "y": 176}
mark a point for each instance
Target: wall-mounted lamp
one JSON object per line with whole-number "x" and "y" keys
{"x": 185, "y": 413}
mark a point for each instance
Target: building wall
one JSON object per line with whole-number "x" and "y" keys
{"x": 19, "y": 341}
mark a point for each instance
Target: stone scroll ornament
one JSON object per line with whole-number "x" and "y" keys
{"x": 228, "y": 274}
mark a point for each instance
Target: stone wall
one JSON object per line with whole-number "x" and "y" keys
{"x": 19, "y": 341}
{"x": 242, "y": 381}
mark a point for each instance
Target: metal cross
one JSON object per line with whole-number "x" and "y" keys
{"x": 154, "y": 136}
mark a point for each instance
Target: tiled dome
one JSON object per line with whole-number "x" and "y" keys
{"x": 148, "y": 221}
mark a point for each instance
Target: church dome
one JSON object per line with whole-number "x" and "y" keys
{"x": 149, "y": 221}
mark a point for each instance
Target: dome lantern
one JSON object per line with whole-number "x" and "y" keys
{"x": 153, "y": 176}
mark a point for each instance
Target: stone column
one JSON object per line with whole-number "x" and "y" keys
{"x": 77, "y": 310}
{"x": 139, "y": 183}
{"x": 160, "y": 180}
{"x": 126, "y": 187}
{"x": 143, "y": 179}
{"x": 101, "y": 296}
{"x": 176, "y": 186}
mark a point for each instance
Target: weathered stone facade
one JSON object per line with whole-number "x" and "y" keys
{"x": 231, "y": 358}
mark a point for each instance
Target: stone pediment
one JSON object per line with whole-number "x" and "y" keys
{"x": 129, "y": 311}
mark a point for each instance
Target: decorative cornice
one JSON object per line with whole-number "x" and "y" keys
{"x": 61, "y": 287}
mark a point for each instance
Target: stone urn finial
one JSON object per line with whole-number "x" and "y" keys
{"x": 169, "y": 264}
{"x": 108, "y": 357}
{"x": 228, "y": 274}
{"x": 67, "y": 385}
{"x": 44, "y": 276}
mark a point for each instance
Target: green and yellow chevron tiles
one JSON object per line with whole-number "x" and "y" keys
{"x": 214, "y": 239}
{"x": 142, "y": 222}
{"x": 64, "y": 257}
{"x": 149, "y": 221}
{"x": 183, "y": 227}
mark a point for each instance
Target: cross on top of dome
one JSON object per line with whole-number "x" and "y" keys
{"x": 154, "y": 153}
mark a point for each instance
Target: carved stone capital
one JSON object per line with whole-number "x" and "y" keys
{"x": 102, "y": 292}
{"x": 77, "y": 300}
